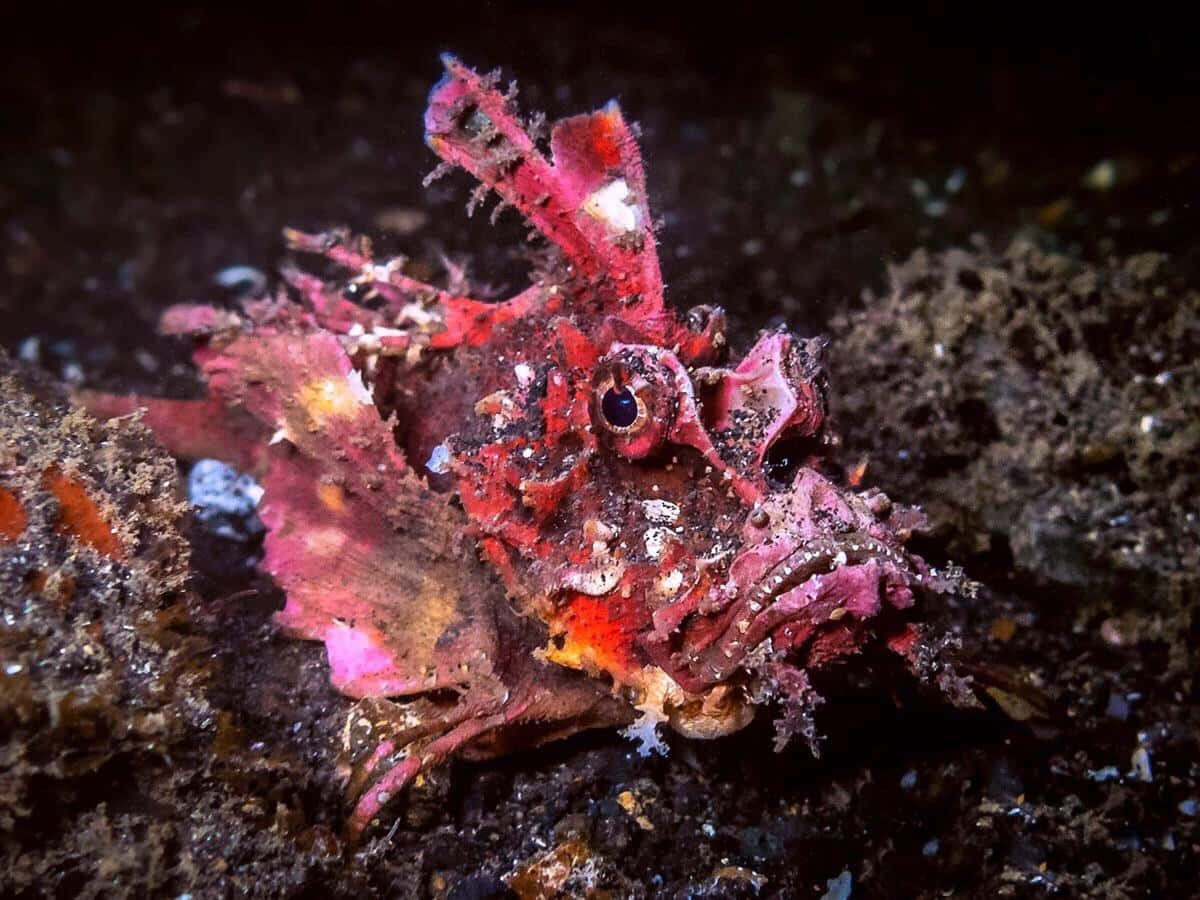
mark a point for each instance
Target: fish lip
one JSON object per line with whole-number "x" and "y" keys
{"x": 752, "y": 615}
{"x": 807, "y": 558}
{"x": 824, "y": 555}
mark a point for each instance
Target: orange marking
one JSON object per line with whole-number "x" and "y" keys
{"x": 601, "y": 630}
{"x": 12, "y": 516}
{"x": 332, "y": 497}
{"x": 856, "y": 474}
{"x": 604, "y": 138}
{"x": 80, "y": 516}
{"x": 327, "y": 400}
{"x": 1003, "y": 629}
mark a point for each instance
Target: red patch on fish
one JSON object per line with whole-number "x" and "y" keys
{"x": 509, "y": 521}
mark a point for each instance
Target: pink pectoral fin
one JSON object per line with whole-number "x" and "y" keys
{"x": 189, "y": 429}
{"x": 370, "y": 558}
{"x": 399, "y": 610}
{"x": 303, "y": 388}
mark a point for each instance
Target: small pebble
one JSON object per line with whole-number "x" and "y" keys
{"x": 246, "y": 280}
{"x": 30, "y": 350}
{"x": 226, "y": 500}
{"x": 146, "y": 359}
{"x": 439, "y": 460}
{"x": 1118, "y": 706}
{"x": 1110, "y": 633}
{"x": 839, "y": 888}
{"x": 1103, "y": 175}
{"x": 936, "y": 207}
{"x": 1140, "y": 761}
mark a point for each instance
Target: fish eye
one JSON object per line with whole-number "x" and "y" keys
{"x": 633, "y": 399}
{"x": 620, "y": 407}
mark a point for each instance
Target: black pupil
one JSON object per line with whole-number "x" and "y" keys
{"x": 619, "y": 407}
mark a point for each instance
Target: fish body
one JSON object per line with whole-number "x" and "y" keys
{"x": 510, "y": 521}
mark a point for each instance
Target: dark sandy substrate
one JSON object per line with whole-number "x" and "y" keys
{"x": 1035, "y": 390}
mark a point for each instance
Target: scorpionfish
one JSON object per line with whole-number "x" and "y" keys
{"x": 510, "y": 521}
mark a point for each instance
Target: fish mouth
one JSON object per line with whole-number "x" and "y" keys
{"x": 816, "y": 585}
{"x": 808, "y": 558}
{"x": 793, "y": 591}
{"x": 821, "y": 556}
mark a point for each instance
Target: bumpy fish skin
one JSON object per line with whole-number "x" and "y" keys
{"x": 511, "y": 521}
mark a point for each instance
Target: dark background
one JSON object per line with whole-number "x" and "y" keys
{"x": 791, "y": 159}
{"x": 146, "y": 151}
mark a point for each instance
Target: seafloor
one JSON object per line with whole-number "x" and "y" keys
{"x": 1035, "y": 389}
